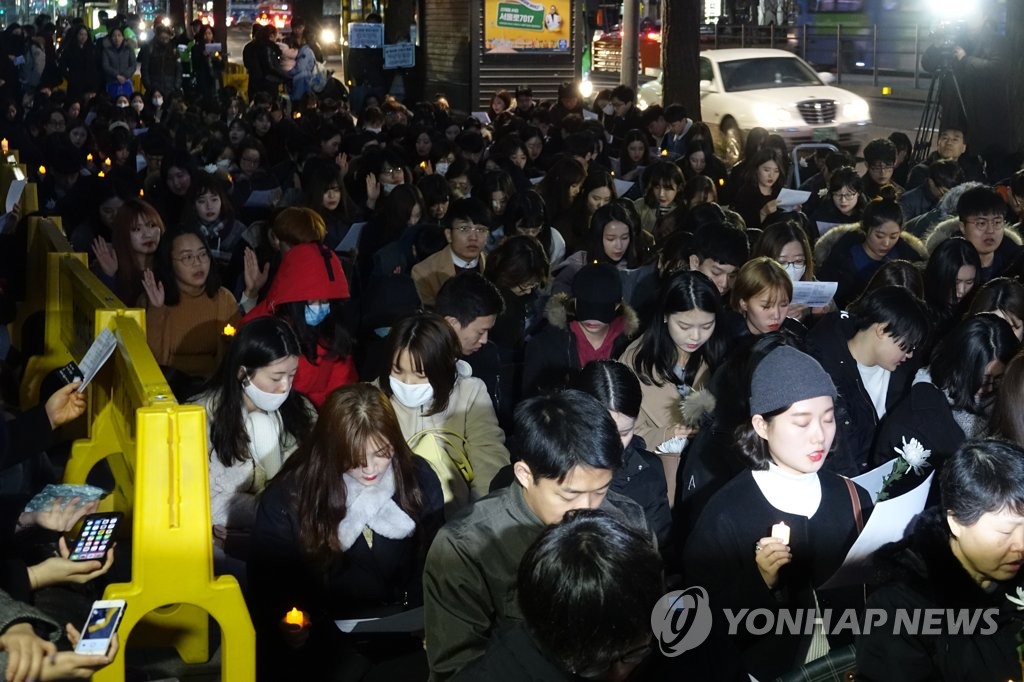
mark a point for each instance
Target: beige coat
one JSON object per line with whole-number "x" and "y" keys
{"x": 470, "y": 414}
{"x": 660, "y": 411}
{"x": 432, "y": 272}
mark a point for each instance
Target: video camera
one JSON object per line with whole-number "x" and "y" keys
{"x": 946, "y": 36}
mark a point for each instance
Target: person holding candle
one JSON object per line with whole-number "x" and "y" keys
{"x": 186, "y": 310}
{"x": 736, "y": 550}
{"x": 963, "y": 557}
{"x": 341, "y": 532}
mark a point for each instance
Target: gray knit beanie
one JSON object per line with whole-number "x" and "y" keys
{"x": 786, "y": 376}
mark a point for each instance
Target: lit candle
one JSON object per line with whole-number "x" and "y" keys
{"x": 106, "y": 161}
{"x": 664, "y": 152}
{"x": 295, "y": 619}
{"x": 298, "y": 114}
{"x": 88, "y": 158}
{"x": 230, "y": 331}
{"x": 3, "y": 145}
{"x": 780, "y": 531}
{"x": 142, "y": 192}
{"x": 101, "y": 174}
{"x": 42, "y": 170}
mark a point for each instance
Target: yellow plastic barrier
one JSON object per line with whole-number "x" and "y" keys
{"x": 73, "y": 295}
{"x": 129, "y": 381}
{"x": 172, "y": 552}
{"x": 156, "y": 450}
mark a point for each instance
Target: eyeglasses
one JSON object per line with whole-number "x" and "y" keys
{"x": 881, "y": 166}
{"x": 796, "y": 261}
{"x": 475, "y": 229}
{"x": 391, "y": 171}
{"x": 986, "y": 224}
{"x": 846, "y": 196}
{"x": 194, "y": 258}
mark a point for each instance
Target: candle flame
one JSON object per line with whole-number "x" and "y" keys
{"x": 294, "y": 617}
{"x": 230, "y": 331}
{"x": 89, "y": 158}
{"x": 664, "y": 152}
{"x": 3, "y": 145}
{"x": 101, "y": 174}
{"x": 298, "y": 114}
{"x": 42, "y": 170}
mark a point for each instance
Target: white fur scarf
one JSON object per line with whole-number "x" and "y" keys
{"x": 372, "y": 506}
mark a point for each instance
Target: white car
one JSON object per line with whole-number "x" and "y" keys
{"x": 742, "y": 89}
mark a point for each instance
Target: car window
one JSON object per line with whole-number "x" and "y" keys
{"x": 706, "y": 74}
{"x": 767, "y": 72}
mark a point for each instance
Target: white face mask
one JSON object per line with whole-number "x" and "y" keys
{"x": 224, "y": 164}
{"x": 387, "y": 187}
{"x": 157, "y": 101}
{"x": 795, "y": 271}
{"x": 268, "y": 402}
{"x": 441, "y": 168}
{"x": 137, "y": 106}
{"x": 122, "y": 105}
{"x": 411, "y": 395}
{"x": 608, "y": 109}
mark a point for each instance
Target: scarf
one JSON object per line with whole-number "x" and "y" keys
{"x": 586, "y": 351}
{"x": 373, "y": 507}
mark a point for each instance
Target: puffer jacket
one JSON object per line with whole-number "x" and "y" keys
{"x": 118, "y": 61}
{"x": 551, "y": 359}
{"x": 834, "y": 252}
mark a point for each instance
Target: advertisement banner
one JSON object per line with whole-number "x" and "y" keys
{"x": 524, "y": 26}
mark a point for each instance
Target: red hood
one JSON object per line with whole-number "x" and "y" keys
{"x": 308, "y": 272}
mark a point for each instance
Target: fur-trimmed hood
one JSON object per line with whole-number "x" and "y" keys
{"x": 951, "y": 227}
{"x": 561, "y": 310}
{"x": 851, "y": 234}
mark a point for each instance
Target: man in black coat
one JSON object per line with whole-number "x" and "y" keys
{"x": 868, "y": 352}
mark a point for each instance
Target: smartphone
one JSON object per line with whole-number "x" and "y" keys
{"x": 104, "y": 619}
{"x": 96, "y": 536}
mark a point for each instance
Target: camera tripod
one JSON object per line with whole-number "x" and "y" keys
{"x": 929, "y": 126}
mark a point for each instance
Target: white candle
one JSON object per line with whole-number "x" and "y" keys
{"x": 780, "y": 531}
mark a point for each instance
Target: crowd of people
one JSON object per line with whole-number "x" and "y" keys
{"x": 528, "y": 375}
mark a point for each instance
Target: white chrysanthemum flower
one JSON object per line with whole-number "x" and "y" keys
{"x": 914, "y": 453}
{"x": 1018, "y": 601}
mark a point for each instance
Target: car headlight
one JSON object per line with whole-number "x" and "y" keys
{"x": 769, "y": 116}
{"x": 328, "y": 36}
{"x": 857, "y": 110}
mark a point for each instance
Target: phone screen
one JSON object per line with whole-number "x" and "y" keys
{"x": 97, "y": 535}
{"x": 104, "y": 618}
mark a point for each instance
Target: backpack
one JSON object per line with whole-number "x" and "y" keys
{"x": 320, "y": 76}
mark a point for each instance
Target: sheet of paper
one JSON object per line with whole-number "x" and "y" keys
{"x": 824, "y": 227}
{"x": 872, "y": 480}
{"x": 536, "y": 180}
{"x": 260, "y": 197}
{"x": 351, "y": 239}
{"x": 889, "y": 520}
{"x": 814, "y": 294}
{"x": 99, "y": 352}
{"x": 622, "y": 186}
{"x": 589, "y": 115}
{"x": 405, "y": 621}
{"x": 15, "y": 190}
{"x": 482, "y": 116}
{"x": 791, "y": 198}
{"x": 616, "y": 166}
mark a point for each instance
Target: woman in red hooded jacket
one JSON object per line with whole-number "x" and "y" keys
{"x": 307, "y": 292}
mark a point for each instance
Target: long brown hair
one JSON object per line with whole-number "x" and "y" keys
{"x": 1007, "y": 419}
{"x": 129, "y": 277}
{"x": 352, "y": 419}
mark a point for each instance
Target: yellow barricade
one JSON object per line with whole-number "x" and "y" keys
{"x": 157, "y": 454}
{"x": 73, "y": 295}
{"x": 172, "y": 552}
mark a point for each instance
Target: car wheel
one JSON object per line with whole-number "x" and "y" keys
{"x": 732, "y": 142}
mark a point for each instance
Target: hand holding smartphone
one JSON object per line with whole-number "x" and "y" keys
{"x": 96, "y": 537}
{"x": 104, "y": 619}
